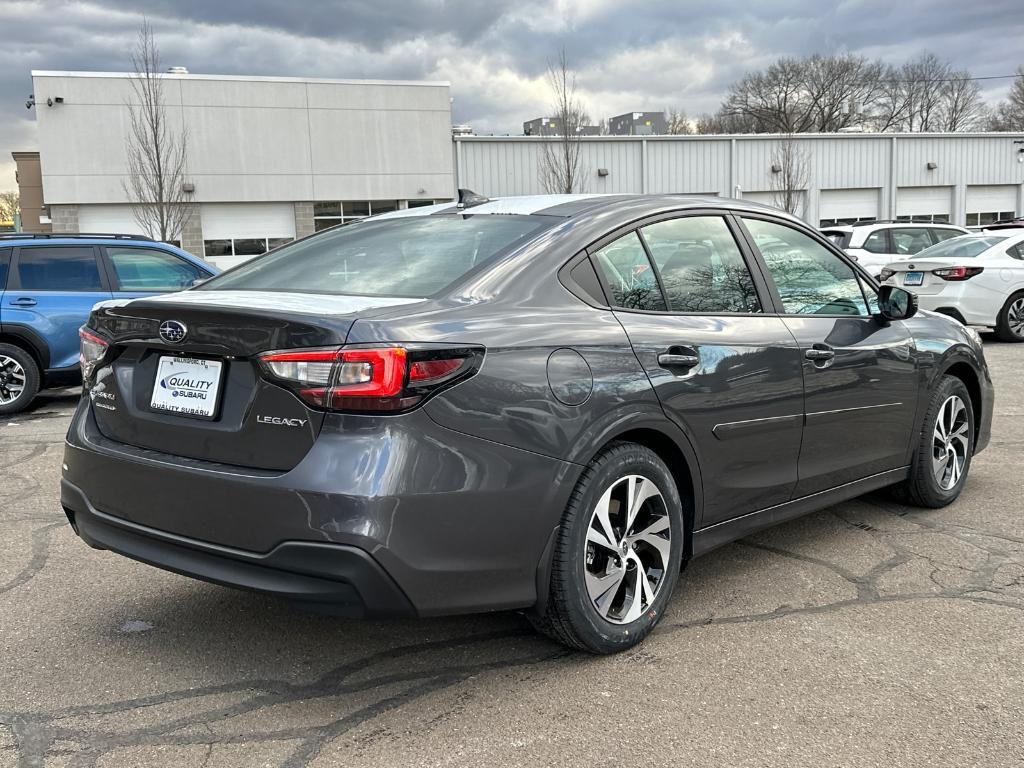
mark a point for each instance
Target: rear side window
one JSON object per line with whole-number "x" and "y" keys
{"x": 909, "y": 241}
{"x": 5, "y": 261}
{"x": 877, "y": 242}
{"x": 414, "y": 257}
{"x": 57, "y": 268}
{"x": 837, "y": 236}
{"x": 944, "y": 234}
{"x": 629, "y": 276}
{"x": 1014, "y": 251}
{"x": 700, "y": 265}
{"x": 149, "y": 269}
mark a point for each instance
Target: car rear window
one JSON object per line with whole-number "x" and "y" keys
{"x": 416, "y": 256}
{"x": 966, "y": 247}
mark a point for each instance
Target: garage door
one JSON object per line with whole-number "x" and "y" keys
{"x": 925, "y": 203}
{"x": 109, "y": 219}
{"x": 989, "y": 204}
{"x": 845, "y": 206}
{"x": 235, "y": 232}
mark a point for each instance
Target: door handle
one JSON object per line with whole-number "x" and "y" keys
{"x": 23, "y": 302}
{"x": 679, "y": 357}
{"x": 819, "y": 354}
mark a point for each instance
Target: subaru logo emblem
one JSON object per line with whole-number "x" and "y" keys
{"x": 172, "y": 331}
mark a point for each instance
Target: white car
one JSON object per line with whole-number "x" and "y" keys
{"x": 977, "y": 278}
{"x": 873, "y": 244}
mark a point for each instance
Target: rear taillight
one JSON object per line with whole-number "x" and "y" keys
{"x": 91, "y": 351}
{"x": 369, "y": 379}
{"x": 957, "y": 273}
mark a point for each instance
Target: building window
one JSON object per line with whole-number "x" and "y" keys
{"x": 926, "y": 218}
{"x": 330, "y": 213}
{"x": 424, "y": 203}
{"x": 988, "y": 217}
{"x": 242, "y": 246}
{"x": 846, "y": 220}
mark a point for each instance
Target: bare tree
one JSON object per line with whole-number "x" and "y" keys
{"x": 677, "y": 123}
{"x": 155, "y": 150}
{"x": 560, "y": 166}
{"x": 790, "y": 174}
{"x": 964, "y": 109}
{"x": 1009, "y": 114}
{"x": 10, "y": 205}
{"x": 829, "y": 93}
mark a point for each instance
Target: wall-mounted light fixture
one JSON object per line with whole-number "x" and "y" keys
{"x": 776, "y": 168}
{"x": 602, "y": 171}
{"x": 932, "y": 166}
{"x": 188, "y": 187}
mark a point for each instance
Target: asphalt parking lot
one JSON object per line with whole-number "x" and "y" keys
{"x": 868, "y": 634}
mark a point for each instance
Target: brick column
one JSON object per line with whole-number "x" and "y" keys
{"x": 64, "y": 218}
{"x": 192, "y": 231}
{"x": 303, "y": 220}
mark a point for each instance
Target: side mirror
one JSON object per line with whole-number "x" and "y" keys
{"x": 197, "y": 281}
{"x": 895, "y": 303}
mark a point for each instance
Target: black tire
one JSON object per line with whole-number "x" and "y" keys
{"x": 923, "y": 488}
{"x": 572, "y": 616}
{"x": 30, "y": 372}
{"x": 1005, "y": 324}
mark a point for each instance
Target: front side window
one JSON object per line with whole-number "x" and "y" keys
{"x": 629, "y": 275}
{"x": 147, "y": 269}
{"x": 701, "y": 267}
{"x": 411, "y": 257}
{"x": 910, "y": 240}
{"x": 71, "y": 269}
{"x": 877, "y": 242}
{"x": 811, "y": 280}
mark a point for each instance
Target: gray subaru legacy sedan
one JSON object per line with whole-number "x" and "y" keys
{"x": 548, "y": 404}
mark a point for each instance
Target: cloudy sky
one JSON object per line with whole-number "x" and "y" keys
{"x": 629, "y": 55}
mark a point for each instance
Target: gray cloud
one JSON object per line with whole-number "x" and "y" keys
{"x": 628, "y": 55}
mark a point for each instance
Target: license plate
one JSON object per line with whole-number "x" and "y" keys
{"x": 187, "y": 386}
{"x": 913, "y": 278}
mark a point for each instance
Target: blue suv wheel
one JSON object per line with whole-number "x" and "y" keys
{"x": 19, "y": 378}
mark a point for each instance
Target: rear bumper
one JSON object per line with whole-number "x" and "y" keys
{"x": 457, "y": 523}
{"x": 344, "y": 580}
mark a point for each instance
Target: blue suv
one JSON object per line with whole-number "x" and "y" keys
{"x": 48, "y": 285}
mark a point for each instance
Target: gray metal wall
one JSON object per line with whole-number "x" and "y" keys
{"x": 733, "y": 165}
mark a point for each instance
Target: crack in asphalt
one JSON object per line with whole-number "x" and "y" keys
{"x": 36, "y": 732}
{"x": 40, "y": 554}
{"x": 391, "y": 678}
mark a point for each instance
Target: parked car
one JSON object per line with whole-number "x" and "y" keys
{"x": 876, "y": 243}
{"x": 48, "y": 285}
{"x": 977, "y": 279}
{"x": 543, "y": 403}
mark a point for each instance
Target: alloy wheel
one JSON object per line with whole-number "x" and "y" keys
{"x": 950, "y": 443}
{"x": 1015, "y": 317}
{"x": 12, "y": 380}
{"x": 628, "y": 545}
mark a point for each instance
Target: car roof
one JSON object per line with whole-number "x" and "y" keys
{"x": 86, "y": 238}
{"x": 569, "y": 206}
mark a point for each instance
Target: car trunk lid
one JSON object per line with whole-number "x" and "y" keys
{"x": 196, "y": 390}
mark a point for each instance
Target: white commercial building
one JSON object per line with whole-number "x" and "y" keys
{"x": 270, "y": 159}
